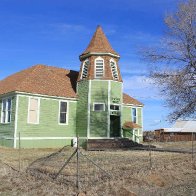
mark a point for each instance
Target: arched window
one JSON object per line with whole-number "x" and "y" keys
{"x": 85, "y": 69}
{"x": 114, "y": 69}
{"x": 99, "y": 67}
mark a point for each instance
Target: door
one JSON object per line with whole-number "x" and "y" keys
{"x": 115, "y": 126}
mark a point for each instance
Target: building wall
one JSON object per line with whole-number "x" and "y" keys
{"x": 99, "y": 120}
{"x": 82, "y": 108}
{"x": 7, "y": 130}
{"x": 127, "y": 116}
{"x": 48, "y": 133}
{"x": 107, "y": 92}
{"x": 174, "y": 136}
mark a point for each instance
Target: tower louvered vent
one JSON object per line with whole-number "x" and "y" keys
{"x": 114, "y": 70}
{"x": 99, "y": 68}
{"x": 85, "y": 69}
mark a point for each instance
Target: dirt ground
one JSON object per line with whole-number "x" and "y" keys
{"x": 120, "y": 173}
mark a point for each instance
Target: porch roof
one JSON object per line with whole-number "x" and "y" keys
{"x": 130, "y": 125}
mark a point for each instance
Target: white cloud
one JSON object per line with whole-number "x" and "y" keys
{"x": 65, "y": 27}
{"x": 141, "y": 87}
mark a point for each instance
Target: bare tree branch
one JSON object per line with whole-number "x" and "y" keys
{"x": 177, "y": 77}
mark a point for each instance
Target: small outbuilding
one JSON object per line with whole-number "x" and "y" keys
{"x": 182, "y": 130}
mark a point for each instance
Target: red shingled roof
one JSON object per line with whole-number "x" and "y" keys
{"x": 130, "y": 100}
{"x": 99, "y": 43}
{"x": 47, "y": 80}
{"x": 42, "y": 79}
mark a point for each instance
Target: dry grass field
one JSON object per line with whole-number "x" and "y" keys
{"x": 130, "y": 173}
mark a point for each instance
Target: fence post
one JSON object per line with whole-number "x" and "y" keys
{"x": 77, "y": 180}
{"x": 192, "y": 149}
{"x": 19, "y": 146}
{"x": 150, "y": 158}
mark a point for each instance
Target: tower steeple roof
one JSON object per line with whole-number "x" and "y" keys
{"x": 99, "y": 44}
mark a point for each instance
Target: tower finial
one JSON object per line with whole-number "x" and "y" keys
{"x": 99, "y": 44}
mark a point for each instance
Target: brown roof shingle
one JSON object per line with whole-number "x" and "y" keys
{"x": 130, "y": 100}
{"x": 47, "y": 80}
{"x": 99, "y": 43}
{"x": 42, "y": 79}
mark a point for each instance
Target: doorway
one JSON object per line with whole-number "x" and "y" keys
{"x": 115, "y": 126}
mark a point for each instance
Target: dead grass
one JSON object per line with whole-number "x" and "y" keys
{"x": 171, "y": 173}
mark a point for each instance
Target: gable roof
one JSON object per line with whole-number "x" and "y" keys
{"x": 130, "y": 125}
{"x": 42, "y": 79}
{"x": 130, "y": 100}
{"x": 99, "y": 43}
{"x": 48, "y": 80}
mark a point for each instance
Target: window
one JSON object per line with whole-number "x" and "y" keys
{"x": 85, "y": 69}
{"x": 6, "y": 110}
{"x": 99, "y": 67}
{"x": 99, "y": 107}
{"x": 114, "y": 69}
{"x": 33, "y": 113}
{"x": 134, "y": 115}
{"x": 114, "y": 107}
{"x": 63, "y": 113}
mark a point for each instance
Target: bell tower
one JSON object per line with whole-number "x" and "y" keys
{"x": 99, "y": 90}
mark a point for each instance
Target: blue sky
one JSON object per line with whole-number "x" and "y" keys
{"x": 56, "y": 32}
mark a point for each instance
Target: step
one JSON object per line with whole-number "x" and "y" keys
{"x": 106, "y": 144}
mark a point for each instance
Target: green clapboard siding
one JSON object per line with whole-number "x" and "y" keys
{"x": 46, "y": 143}
{"x": 127, "y": 116}
{"x": 7, "y": 130}
{"x": 48, "y": 120}
{"x": 99, "y": 120}
{"x": 99, "y": 91}
{"x": 116, "y": 92}
{"x": 139, "y": 115}
{"x": 82, "y": 108}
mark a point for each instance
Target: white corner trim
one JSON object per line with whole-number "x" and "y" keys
{"x": 16, "y": 121}
{"x": 109, "y": 96}
{"x": 89, "y": 109}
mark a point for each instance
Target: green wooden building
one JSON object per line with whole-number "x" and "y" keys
{"x": 50, "y": 106}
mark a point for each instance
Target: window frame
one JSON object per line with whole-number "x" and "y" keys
{"x": 83, "y": 67}
{"x": 134, "y": 117}
{"x": 99, "y": 103}
{"x": 115, "y": 105}
{"x": 67, "y": 112}
{"x": 95, "y": 70}
{"x": 4, "y": 113}
{"x": 38, "y": 111}
{"x": 116, "y": 70}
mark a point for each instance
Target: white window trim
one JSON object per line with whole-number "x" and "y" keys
{"x": 67, "y": 116}
{"x": 87, "y": 60}
{"x": 132, "y": 114}
{"x": 116, "y": 105}
{"x": 99, "y": 58}
{"x": 6, "y": 114}
{"x": 112, "y": 60}
{"x": 38, "y": 112}
{"x": 94, "y": 103}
